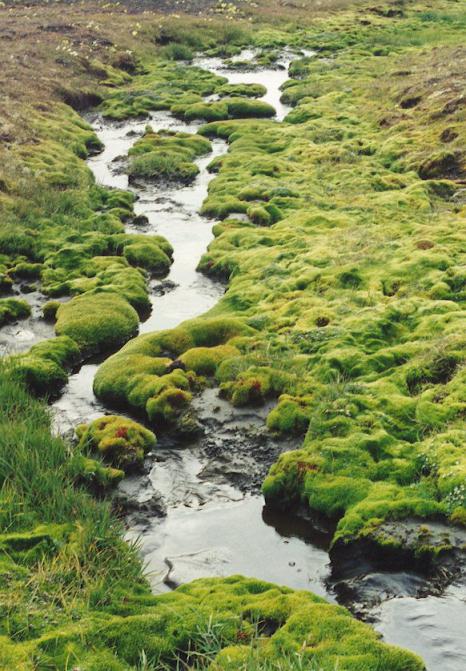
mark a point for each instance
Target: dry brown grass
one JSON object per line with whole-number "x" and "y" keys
{"x": 46, "y": 47}
{"x": 297, "y": 9}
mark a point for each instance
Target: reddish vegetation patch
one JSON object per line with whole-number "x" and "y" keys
{"x": 304, "y": 467}
{"x": 121, "y": 432}
{"x": 424, "y": 244}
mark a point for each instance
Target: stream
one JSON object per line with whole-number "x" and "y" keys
{"x": 197, "y": 509}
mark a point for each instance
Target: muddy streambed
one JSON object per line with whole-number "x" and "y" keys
{"x": 196, "y": 510}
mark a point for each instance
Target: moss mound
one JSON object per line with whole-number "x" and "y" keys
{"x": 118, "y": 440}
{"x": 45, "y": 367}
{"x": 252, "y": 624}
{"x": 166, "y": 156}
{"x": 156, "y": 387}
{"x": 226, "y": 108}
{"x": 12, "y": 309}
{"x": 164, "y": 85}
{"x": 97, "y": 321}
{"x": 242, "y": 90}
{"x": 62, "y": 229}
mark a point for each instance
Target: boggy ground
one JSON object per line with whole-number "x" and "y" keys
{"x": 344, "y": 302}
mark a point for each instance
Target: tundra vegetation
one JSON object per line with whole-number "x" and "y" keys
{"x": 344, "y": 303}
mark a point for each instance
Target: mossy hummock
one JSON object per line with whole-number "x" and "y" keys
{"x": 166, "y": 156}
{"x": 165, "y": 367}
{"x": 251, "y": 624}
{"x": 118, "y": 440}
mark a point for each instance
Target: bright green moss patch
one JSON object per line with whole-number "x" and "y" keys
{"x": 205, "y": 360}
{"x": 252, "y": 624}
{"x": 243, "y": 90}
{"x": 350, "y": 267}
{"x": 97, "y": 321}
{"x": 291, "y": 415}
{"x": 153, "y": 387}
{"x": 27, "y": 270}
{"x": 95, "y": 475}
{"x": 45, "y": 367}
{"x": 12, "y": 309}
{"x": 118, "y": 440}
{"x": 166, "y": 156}
{"x": 149, "y": 256}
{"x": 164, "y": 85}
{"x": 62, "y": 229}
{"x": 226, "y": 108}
{"x": 49, "y": 310}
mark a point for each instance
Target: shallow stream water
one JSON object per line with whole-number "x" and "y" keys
{"x": 210, "y": 519}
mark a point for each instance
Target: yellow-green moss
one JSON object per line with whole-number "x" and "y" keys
{"x": 12, "y": 309}
{"x": 97, "y": 321}
{"x": 118, "y": 440}
{"x": 166, "y": 156}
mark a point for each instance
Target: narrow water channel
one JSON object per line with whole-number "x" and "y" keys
{"x": 211, "y": 519}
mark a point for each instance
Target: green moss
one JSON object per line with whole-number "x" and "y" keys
{"x": 162, "y": 165}
{"x": 97, "y": 321}
{"x": 358, "y": 296}
{"x": 44, "y": 368}
{"x": 148, "y": 256}
{"x": 49, "y": 310}
{"x": 57, "y": 224}
{"x": 153, "y": 388}
{"x": 226, "y": 108}
{"x": 204, "y": 111}
{"x": 356, "y": 277}
{"x": 27, "y": 270}
{"x": 94, "y": 475}
{"x": 118, "y": 440}
{"x": 205, "y": 360}
{"x": 290, "y": 416}
{"x": 259, "y": 215}
{"x": 245, "y": 90}
{"x": 166, "y": 156}
{"x": 157, "y": 628}
{"x": 240, "y": 108}
{"x": 12, "y": 309}
{"x": 167, "y": 406}
{"x": 161, "y": 88}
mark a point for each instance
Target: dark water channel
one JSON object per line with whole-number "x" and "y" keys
{"x": 197, "y": 509}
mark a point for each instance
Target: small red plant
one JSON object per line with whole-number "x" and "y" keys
{"x": 302, "y": 467}
{"x": 121, "y": 432}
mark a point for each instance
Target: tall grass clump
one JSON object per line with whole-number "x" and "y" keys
{"x": 49, "y": 521}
